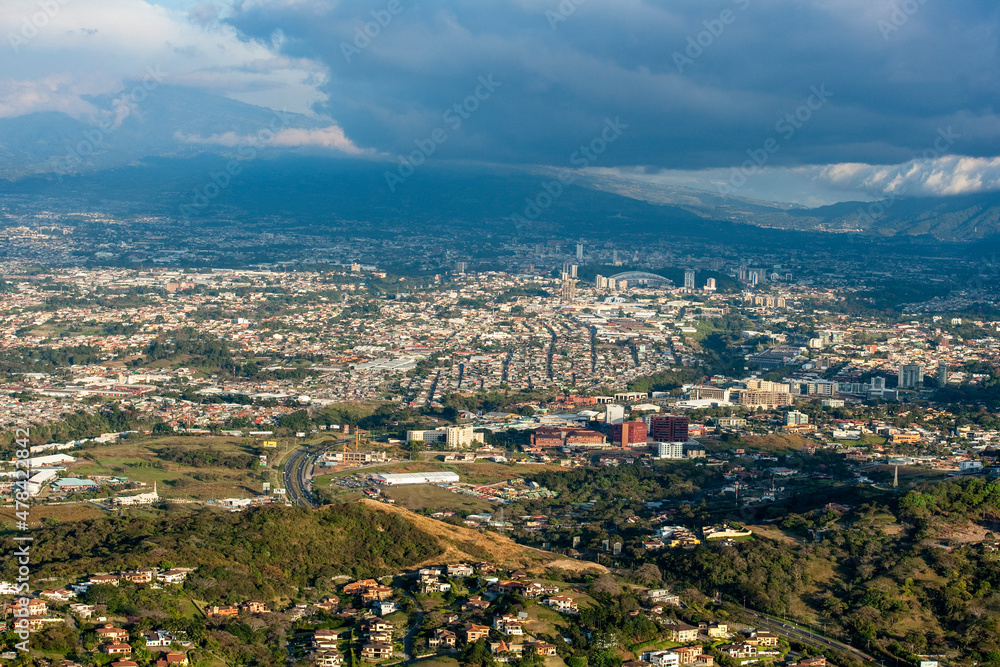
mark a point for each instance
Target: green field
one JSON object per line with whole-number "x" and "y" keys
{"x": 148, "y": 461}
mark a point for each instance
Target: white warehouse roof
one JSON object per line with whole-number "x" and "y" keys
{"x": 40, "y": 461}
{"x": 393, "y": 479}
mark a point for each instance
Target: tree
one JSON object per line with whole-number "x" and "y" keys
{"x": 606, "y": 585}
{"x": 478, "y": 653}
{"x": 649, "y": 574}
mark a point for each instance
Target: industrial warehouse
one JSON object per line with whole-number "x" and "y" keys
{"x": 399, "y": 479}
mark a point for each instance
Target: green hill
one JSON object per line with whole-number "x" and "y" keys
{"x": 263, "y": 553}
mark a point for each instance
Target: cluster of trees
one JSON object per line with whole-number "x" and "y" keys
{"x": 383, "y": 417}
{"x": 886, "y": 576}
{"x": 46, "y": 359}
{"x": 195, "y": 348}
{"x": 263, "y": 553}
{"x": 103, "y": 297}
{"x": 665, "y": 380}
{"x": 79, "y": 425}
{"x": 636, "y": 484}
{"x": 208, "y": 457}
{"x": 192, "y": 346}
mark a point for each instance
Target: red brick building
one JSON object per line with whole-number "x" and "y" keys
{"x": 668, "y": 428}
{"x": 628, "y": 434}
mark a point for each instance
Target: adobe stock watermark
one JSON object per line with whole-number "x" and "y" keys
{"x": 31, "y": 26}
{"x": 364, "y": 34}
{"x": 699, "y": 42}
{"x": 941, "y": 146}
{"x": 583, "y": 157}
{"x": 562, "y": 13}
{"x": 219, "y": 181}
{"x": 124, "y": 106}
{"x": 786, "y": 127}
{"x": 900, "y": 16}
{"x": 454, "y": 116}
{"x": 22, "y": 495}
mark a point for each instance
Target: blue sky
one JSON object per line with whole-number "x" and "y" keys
{"x": 704, "y": 86}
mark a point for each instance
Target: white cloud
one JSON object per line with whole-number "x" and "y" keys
{"x": 331, "y": 137}
{"x": 949, "y": 175}
{"x": 818, "y": 185}
{"x": 113, "y": 41}
{"x": 58, "y": 92}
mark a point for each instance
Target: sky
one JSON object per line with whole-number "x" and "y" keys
{"x": 799, "y": 101}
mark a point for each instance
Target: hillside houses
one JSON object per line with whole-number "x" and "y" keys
{"x": 563, "y": 603}
{"x": 682, "y": 633}
{"x": 460, "y": 622}
{"x": 376, "y": 652}
{"x": 508, "y": 625}
{"x": 443, "y": 638}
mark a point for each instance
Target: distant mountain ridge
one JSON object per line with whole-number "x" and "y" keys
{"x": 953, "y": 218}
{"x": 39, "y": 143}
{"x": 157, "y": 138}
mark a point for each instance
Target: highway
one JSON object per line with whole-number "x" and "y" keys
{"x": 297, "y": 479}
{"x": 804, "y": 636}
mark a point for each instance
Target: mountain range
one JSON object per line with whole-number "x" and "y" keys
{"x": 175, "y": 138}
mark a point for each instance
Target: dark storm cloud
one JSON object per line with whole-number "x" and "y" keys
{"x": 898, "y": 71}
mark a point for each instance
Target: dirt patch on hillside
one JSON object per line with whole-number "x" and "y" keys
{"x": 774, "y": 533}
{"x": 466, "y": 545}
{"x": 967, "y": 532}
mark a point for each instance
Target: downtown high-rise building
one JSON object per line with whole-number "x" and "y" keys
{"x": 568, "y": 288}
{"x": 911, "y": 376}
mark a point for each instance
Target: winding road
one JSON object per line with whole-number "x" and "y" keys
{"x": 412, "y": 632}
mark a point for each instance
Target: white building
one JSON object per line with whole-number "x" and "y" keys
{"x": 138, "y": 499}
{"x": 50, "y": 460}
{"x": 455, "y": 437}
{"x": 38, "y": 480}
{"x": 400, "y": 479}
{"x": 796, "y": 418}
{"x": 614, "y": 414}
{"x": 670, "y": 450}
{"x": 662, "y": 658}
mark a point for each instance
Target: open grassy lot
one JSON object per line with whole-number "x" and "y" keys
{"x": 63, "y": 512}
{"x": 545, "y": 620}
{"x": 182, "y": 467}
{"x": 437, "y": 661}
{"x": 427, "y": 497}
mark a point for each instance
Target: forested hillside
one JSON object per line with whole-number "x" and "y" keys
{"x": 261, "y": 554}
{"x": 914, "y": 576}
